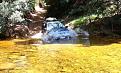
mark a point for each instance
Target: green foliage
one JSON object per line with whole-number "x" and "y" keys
{"x": 2, "y": 23}
{"x": 83, "y": 7}
{"x": 5, "y": 9}
{"x": 84, "y": 20}
{"x": 31, "y": 4}
{"x": 16, "y": 17}
{"x": 88, "y": 7}
{"x": 12, "y": 11}
{"x": 15, "y": 10}
{"x": 79, "y": 21}
{"x": 91, "y": 10}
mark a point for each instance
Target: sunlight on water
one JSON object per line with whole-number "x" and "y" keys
{"x": 60, "y": 58}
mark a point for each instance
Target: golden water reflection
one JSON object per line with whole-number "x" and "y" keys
{"x": 59, "y": 58}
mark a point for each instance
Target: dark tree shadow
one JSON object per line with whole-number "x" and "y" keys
{"x": 101, "y": 41}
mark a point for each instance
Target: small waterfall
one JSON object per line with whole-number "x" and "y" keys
{"x": 56, "y": 32}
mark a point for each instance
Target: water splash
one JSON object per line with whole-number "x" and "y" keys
{"x": 56, "y": 32}
{"x": 37, "y": 36}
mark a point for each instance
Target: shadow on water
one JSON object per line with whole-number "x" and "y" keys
{"x": 29, "y": 42}
{"x": 92, "y": 41}
{"x": 101, "y": 41}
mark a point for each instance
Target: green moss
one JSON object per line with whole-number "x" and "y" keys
{"x": 84, "y": 19}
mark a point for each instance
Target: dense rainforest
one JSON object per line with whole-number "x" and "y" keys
{"x": 22, "y": 18}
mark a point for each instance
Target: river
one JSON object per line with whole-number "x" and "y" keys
{"x": 23, "y": 56}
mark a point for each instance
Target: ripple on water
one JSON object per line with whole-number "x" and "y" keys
{"x": 7, "y": 66}
{"x": 55, "y": 58}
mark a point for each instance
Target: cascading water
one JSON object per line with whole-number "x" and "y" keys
{"x": 56, "y": 32}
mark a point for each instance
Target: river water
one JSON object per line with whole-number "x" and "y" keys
{"x": 62, "y": 55}
{"x": 21, "y": 56}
